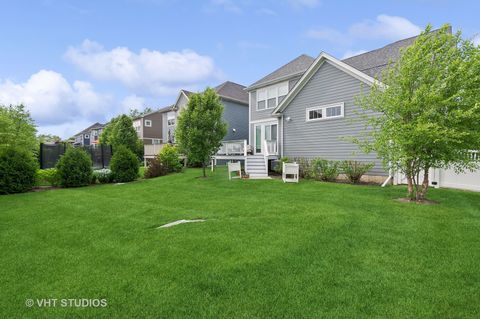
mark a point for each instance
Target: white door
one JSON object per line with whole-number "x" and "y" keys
{"x": 266, "y": 132}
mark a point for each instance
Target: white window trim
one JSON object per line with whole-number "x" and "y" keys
{"x": 324, "y": 112}
{"x": 150, "y": 123}
{"x": 87, "y": 136}
{"x": 265, "y": 89}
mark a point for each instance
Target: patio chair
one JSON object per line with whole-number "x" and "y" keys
{"x": 234, "y": 167}
{"x": 290, "y": 172}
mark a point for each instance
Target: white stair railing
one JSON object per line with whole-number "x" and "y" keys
{"x": 266, "y": 154}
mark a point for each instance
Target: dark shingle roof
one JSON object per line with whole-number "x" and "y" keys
{"x": 297, "y": 66}
{"x": 234, "y": 91}
{"x": 91, "y": 127}
{"x": 373, "y": 62}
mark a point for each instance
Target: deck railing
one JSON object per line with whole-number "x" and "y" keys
{"x": 237, "y": 147}
{"x": 152, "y": 149}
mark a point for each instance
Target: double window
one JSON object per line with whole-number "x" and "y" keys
{"x": 271, "y": 96}
{"x": 325, "y": 112}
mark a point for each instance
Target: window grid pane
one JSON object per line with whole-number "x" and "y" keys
{"x": 261, "y": 105}
{"x": 272, "y": 103}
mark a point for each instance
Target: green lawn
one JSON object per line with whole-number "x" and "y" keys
{"x": 267, "y": 250}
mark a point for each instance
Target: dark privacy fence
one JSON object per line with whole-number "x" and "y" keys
{"x": 50, "y": 154}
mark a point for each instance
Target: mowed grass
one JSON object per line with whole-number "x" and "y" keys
{"x": 267, "y": 250}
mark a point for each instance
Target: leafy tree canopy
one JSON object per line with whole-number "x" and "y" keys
{"x": 429, "y": 106}
{"x": 17, "y": 128}
{"x": 200, "y": 128}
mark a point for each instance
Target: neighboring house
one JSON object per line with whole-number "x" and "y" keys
{"x": 89, "y": 136}
{"x": 149, "y": 127}
{"x": 235, "y": 101}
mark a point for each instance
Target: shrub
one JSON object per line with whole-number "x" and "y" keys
{"x": 304, "y": 167}
{"x": 155, "y": 168}
{"x": 124, "y": 164}
{"x": 17, "y": 170}
{"x": 48, "y": 176}
{"x": 325, "y": 170}
{"x": 354, "y": 170}
{"x": 170, "y": 158}
{"x": 75, "y": 168}
{"x": 103, "y": 175}
{"x": 279, "y": 165}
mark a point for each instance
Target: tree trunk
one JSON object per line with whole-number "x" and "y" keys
{"x": 204, "y": 171}
{"x": 411, "y": 194}
{"x": 410, "y": 177}
{"x": 423, "y": 192}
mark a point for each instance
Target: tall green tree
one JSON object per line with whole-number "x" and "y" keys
{"x": 107, "y": 131}
{"x": 429, "y": 106}
{"x": 123, "y": 133}
{"x": 200, "y": 128}
{"x": 17, "y": 128}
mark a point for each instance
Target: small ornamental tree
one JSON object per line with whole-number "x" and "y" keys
{"x": 429, "y": 106}
{"x": 200, "y": 127}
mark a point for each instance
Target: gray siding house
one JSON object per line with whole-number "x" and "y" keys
{"x": 308, "y": 108}
{"x": 235, "y": 101}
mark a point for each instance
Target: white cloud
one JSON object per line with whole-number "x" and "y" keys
{"x": 133, "y": 102}
{"x": 329, "y": 34}
{"x": 385, "y": 27}
{"x": 53, "y": 101}
{"x": 154, "y": 72}
{"x": 227, "y": 5}
{"x": 351, "y": 53}
{"x": 305, "y": 3}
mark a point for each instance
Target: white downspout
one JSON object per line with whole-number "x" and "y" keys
{"x": 281, "y": 136}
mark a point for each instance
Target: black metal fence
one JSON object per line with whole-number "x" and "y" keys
{"x": 50, "y": 154}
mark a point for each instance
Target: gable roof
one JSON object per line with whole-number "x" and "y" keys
{"x": 295, "y": 67}
{"x": 322, "y": 58}
{"x": 228, "y": 90}
{"x": 367, "y": 66}
{"x": 91, "y": 127}
{"x": 232, "y": 91}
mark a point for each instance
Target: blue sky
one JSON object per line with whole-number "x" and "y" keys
{"x": 77, "y": 62}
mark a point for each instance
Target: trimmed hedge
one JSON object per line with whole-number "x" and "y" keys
{"x": 124, "y": 165}
{"x": 75, "y": 168}
{"x": 17, "y": 171}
